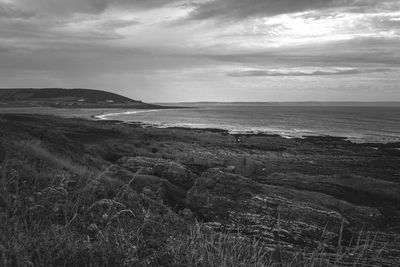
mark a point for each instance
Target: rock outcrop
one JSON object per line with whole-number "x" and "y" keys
{"x": 174, "y": 172}
{"x": 354, "y": 189}
{"x": 276, "y": 214}
{"x": 116, "y": 177}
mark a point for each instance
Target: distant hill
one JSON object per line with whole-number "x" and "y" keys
{"x": 73, "y": 98}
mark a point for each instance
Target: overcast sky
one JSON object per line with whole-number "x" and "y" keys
{"x": 192, "y": 50}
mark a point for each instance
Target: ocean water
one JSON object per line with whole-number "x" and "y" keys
{"x": 357, "y": 123}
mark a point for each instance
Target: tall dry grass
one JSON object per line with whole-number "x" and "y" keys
{"x": 205, "y": 247}
{"x": 80, "y": 221}
{"x": 74, "y": 220}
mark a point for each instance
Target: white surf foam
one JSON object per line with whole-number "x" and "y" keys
{"x": 107, "y": 115}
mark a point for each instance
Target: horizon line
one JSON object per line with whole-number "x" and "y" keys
{"x": 397, "y": 102}
{"x": 289, "y": 101}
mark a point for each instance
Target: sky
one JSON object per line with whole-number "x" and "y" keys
{"x": 205, "y": 50}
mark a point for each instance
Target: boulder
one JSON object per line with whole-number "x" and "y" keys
{"x": 174, "y": 172}
{"x": 115, "y": 177}
{"x": 172, "y": 195}
{"x": 230, "y": 168}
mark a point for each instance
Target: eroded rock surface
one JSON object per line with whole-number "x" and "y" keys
{"x": 277, "y": 214}
{"x": 355, "y": 189}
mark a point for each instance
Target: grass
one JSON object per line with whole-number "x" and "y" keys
{"x": 205, "y": 247}
{"x": 69, "y": 222}
{"x": 75, "y": 221}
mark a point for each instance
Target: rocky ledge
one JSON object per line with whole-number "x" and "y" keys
{"x": 279, "y": 215}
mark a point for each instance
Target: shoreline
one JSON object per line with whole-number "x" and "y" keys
{"x": 237, "y": 133}
{"x": 94, "y": 114}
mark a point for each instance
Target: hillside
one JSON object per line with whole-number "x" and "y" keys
{"x": 58, "y": 97}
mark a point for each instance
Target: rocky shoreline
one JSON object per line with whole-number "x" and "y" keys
{"x": 297, "y": 194}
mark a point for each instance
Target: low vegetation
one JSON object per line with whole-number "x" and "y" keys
{"x": 58, "y": 208}
{"x": 70, "y": 220}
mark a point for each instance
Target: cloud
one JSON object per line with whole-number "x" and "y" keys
{"x": 356, "y": 53}
{"x": 239, "y": 9}
{"x": 222, "y": 9}
{"x": 11, "y": 11}
{"x": 71, "y": 7}
{"x": 275, "y": 73}
{"x": 178, "y": 45}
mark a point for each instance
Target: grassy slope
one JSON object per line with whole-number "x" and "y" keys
{"x": 58, "y": 97}
{"x": 54, "y": 93}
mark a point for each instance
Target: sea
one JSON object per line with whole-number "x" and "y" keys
{"x": 361, "y": 123}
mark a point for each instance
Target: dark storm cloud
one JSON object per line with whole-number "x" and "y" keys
{"x": 268, "y": 73}
{"x": 70, "y": 7}
{"x": 28, "y": 35}
{"x": 5, "y": 49}
{"x": 10, "y": 11}
{"x": 240, "y": 9}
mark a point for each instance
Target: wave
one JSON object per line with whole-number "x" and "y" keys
{"x": 288, "y": 134}
{"x": 105, "y": 116}
{"x": 285, "y": 133}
